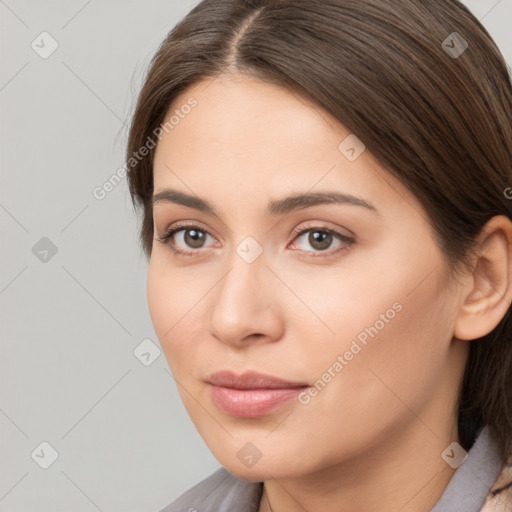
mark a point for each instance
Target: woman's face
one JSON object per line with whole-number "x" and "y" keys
{"x": 305, "y": 261}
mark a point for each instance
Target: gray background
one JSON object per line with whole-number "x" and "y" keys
{"x": 71, "y": 320}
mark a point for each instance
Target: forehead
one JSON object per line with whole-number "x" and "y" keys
{"x": 243, "y": 131}
{"x": 255, "y": 116}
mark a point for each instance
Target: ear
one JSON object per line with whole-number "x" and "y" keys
{"x": 488, "y": 295}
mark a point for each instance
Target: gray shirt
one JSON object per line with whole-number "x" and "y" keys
{"x": 465, "y": 492}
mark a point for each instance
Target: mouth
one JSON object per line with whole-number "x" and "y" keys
{"x": 251, "y": 394}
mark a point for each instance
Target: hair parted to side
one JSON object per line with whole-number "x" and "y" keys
{"x": 441, "y": 125}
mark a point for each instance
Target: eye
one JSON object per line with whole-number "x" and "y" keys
{"x": 182, "y": 237}
{"x": 321, "y": 239}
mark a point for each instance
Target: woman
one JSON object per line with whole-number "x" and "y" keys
{"x": 325, "y": 190}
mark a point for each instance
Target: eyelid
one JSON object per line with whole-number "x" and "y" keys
{"x": 176, "y": 226}
{"x": 322, "y": 226}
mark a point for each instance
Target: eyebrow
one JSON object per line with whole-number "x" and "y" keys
{"x": 276, "y": 207}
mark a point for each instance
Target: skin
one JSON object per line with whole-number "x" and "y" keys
{"x": 372, "y": 438}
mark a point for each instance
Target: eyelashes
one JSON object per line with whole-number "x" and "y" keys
{"x": 317, "y": 234}
{"x": 168, "y": 238}
{"x": 332, "y": 235}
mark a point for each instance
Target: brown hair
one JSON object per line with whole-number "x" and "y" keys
{"x": 438, "y": 121}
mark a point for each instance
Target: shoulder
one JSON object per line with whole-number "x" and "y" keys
{"x": 219, "y": 492}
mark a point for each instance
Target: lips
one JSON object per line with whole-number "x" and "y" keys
{"x": 251, "y": 394}
{"x": 251, "y": 380}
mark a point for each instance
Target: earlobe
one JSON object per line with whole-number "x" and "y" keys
{"x": 488, "y": 295}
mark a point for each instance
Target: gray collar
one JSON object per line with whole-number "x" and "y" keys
{"x": 470, "y": 484}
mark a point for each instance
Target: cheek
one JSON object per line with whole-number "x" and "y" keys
{"x": 166, "y": 298}
{"x": 390, "y": 345}
{"x": 384, "y": 313}
{"x": 175, "y": 300}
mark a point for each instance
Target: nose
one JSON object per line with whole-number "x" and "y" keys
{"x": 246, "y": 306}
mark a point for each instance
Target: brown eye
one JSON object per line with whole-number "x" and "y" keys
{"x": 186, "y": 240}
{"x": 320, "y": 240}
{"x": 194, "y": 238}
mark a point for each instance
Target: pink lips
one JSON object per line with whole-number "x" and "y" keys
{"x": 251, "y": 394}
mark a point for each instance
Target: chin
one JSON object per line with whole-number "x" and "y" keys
{"x": 249, "y": 475}
{"x": 276, "y": 466}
